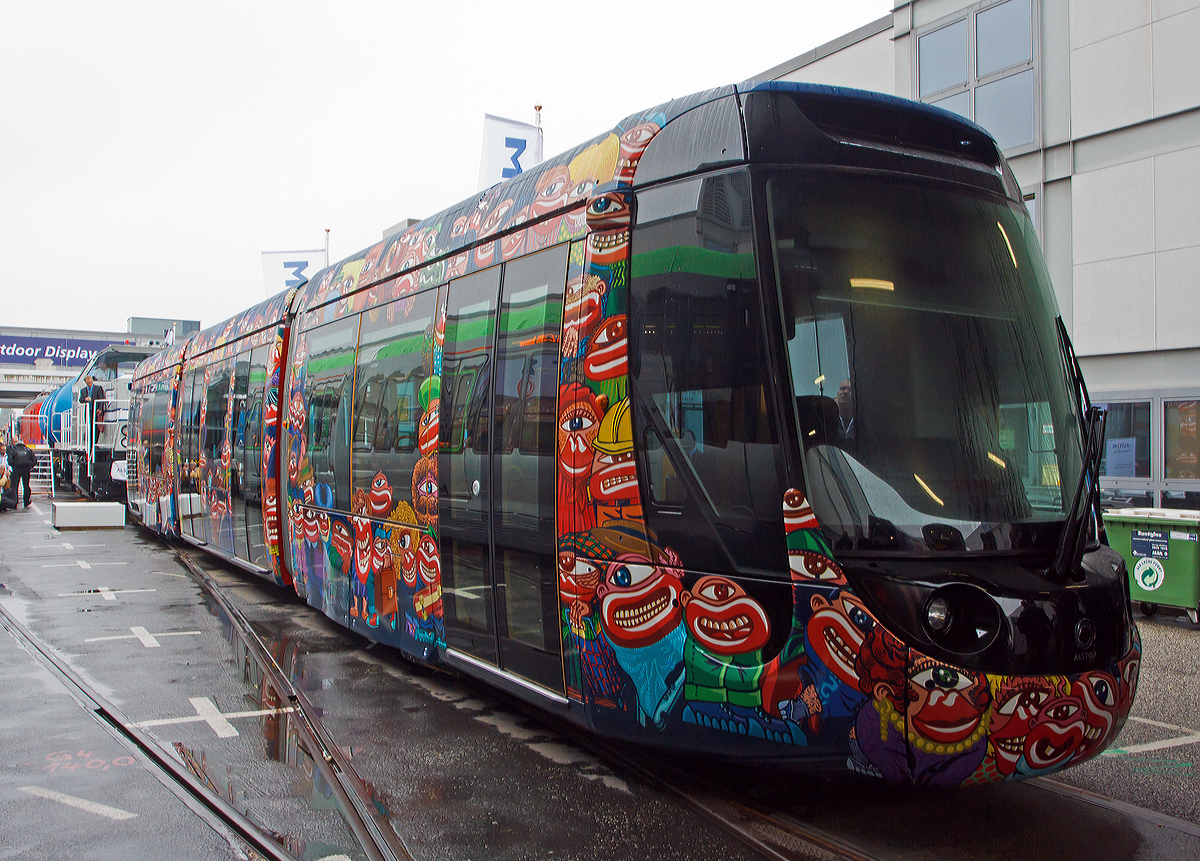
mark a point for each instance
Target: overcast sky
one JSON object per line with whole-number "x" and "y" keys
{"x": 149, "y": 152}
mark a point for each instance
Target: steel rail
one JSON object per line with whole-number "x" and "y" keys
{"x": 374, "y": 833}
{"x": 210, "y": 807}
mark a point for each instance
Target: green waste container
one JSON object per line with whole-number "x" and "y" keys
{"x": 1161, "y": 547}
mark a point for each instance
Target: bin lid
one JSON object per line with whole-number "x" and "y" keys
{"x": 1181, "y": 516}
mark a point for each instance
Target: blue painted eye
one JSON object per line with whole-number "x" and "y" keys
{"x": 621, "y": 577}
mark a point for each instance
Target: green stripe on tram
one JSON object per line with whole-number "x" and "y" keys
{"x": 697, "y": 261}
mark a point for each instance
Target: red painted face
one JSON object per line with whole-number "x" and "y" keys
{"x": 614, "y": 478}
{"x": 427, "y": 428}
{"x": 296, "y": 412}
{"x": 633, "y": 144}
{"x": 608, "y": 353}
{"x": 552, "y": 190}
{"x": 1058, "y": 731}
{"x": 369, "y": 272}
{"x": 577, "y": 578}
{"x": 381, "y": 552}
{"x": 362, "y": 547}
{"x": 723, "y": 618}
{"x": 578, "y": 423}
{"x": 639, "y": 602}
{"x": 1018, "y": 701}
{"x": 581, "y": 311}
{"x": 428, "y": 601}
{"x": 836, "y": 631}
{"x": 945, "y": 705}
{"x": 408, "y": 541}
{"x": 1098, "y": 692}
{"x": 807, "y": 565}
{"x": 457, "y": 265}
{"x": 380, "y": 495}
{"x": 514, "y": 243}
{"x": 608, "y": 220}
{"x": 323, "y": 524}
{"x": 341, "y": 538}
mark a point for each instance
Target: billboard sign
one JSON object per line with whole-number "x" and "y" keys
{"x": 62, "y": 352}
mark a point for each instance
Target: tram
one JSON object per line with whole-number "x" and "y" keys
{"x": 745, "y": 429}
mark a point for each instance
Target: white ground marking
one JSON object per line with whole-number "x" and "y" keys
{"x": 65, "y": 546}
{"x": 148, "y": 639}
{"x": 82, "y": 564}
{"x": 36, "y": 510}
{"x": 1192, "y": 737}
{"x": 81, "y": 803}
{"x": 207, "y": 712}
{"x": 108, "y": 594}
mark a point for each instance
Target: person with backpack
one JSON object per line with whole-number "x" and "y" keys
{"x": 21, "y": 461}
{"x": 8, "y": 496}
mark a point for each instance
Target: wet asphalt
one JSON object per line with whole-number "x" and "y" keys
{"x": 458, "y": 771}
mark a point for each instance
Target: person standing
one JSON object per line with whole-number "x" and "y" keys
{"x": 21, "y": 461}
{"x": 92, "y": 394}
{"x": 8, "y": 496}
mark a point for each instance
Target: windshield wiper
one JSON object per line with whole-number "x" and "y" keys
{"x": 1092, "y": 420}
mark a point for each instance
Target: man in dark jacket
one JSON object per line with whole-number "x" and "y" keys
{"x": 21, "y": 461}
{"x": 92, "y": 394}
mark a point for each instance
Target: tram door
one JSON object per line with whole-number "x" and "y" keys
{"x": 497, "y": 466}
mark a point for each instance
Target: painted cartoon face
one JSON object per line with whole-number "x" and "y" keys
{"x": 578, "y": 423}
{"x": 1018, "y": 701}
{"x": 552, "y": 190}
{"x": 723, "y": 618}
{"x": 456, "y": 267}
{"x": 633, "y": 144}
{"x": 608, "y": 219}
{"x": 296, "y": 412}
{"x": 312, "y": 531}
{"x": 581, "y": 311}
{"x": 639, "y": 602}
{"x": 946, "y": 705}
{"x": 514, "y": 243}
{"x": 577, "y": 578}
{"x": 607, "y": 355}
{"x": 835, "y": 632}
{"x": 576, "y": 220}
{"x": 1098, "y": 692}
{"x": 380, "y": 495}
{"x": 363, "y": 540}
{"x": 341, "y": 537}
{"x": 485, "y": 254}
{"x": 271, "y": 517}
{"x": 797, "y": 513}
{"x": 1057, "y": 732}
{"x": 381, "y": 550}
{"x": 496, "y": 217}
{"x": 614, "y": 478}
{"x": 323, "y": 525}
{"x": 425, "y": 490}
{"x": 459, "y": 228}
{"x": 428, "y": 601}
{"x": 407, "y": 544}
{"x": 370, "y": 269}
{"x": 427, "y": 428}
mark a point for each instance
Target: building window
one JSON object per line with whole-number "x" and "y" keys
{"x": 1127, "y": 441}
{"x": 1179, "y": 440}
{"x": 981, "y": 67}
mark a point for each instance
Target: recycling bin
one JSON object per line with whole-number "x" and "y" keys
{"x": 1161, "y": 547}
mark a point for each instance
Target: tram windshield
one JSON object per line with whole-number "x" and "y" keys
{"x": 931, "y": 397}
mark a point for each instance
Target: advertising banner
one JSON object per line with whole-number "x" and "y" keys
{"x": 509, "y": 148}
{"x": 62, "y": 352}
{"x": 284, "y": 269}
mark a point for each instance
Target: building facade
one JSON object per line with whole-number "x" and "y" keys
{"x": 1096, "y": 104}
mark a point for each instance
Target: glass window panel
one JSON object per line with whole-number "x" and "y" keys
{"x": 959, "y": 103}
{"x": 1127, "y": 441}
{"x": 255, "y": 397}
{"x": 1005, "y": 109}
{"x": 394, "y": 391}
{"x": 1179, "y": 443}
{"x": 217, "y": 453}
{"x": 942, "y": 58}
{"x": 1188, "y": 500}
{"x": 328, "y": 383}
{"x": 1003, "y": 37}
{"x": 1117, "y": 497}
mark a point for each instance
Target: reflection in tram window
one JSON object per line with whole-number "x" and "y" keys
{"x": 939, "y": 302}
{"x": 328, "y": 378}
{"x": 701, "y": 373}
{"x": 394, "y": 389}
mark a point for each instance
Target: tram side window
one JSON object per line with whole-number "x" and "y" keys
{"x": 328, "y": 383}
{"x": 394, "y": 361}
{"x": 699, "y": 365}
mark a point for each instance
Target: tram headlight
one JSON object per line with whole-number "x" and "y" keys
{"x": 937, "y": 615}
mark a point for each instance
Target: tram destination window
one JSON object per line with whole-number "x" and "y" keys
{"x": 930, "y": 394}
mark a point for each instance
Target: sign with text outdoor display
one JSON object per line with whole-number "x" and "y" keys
{"x": 69, "y": 352}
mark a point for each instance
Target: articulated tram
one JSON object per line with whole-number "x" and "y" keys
{"x": 746, "y": 429}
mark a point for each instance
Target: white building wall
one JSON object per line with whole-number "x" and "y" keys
{"x": 866, "y": 65}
